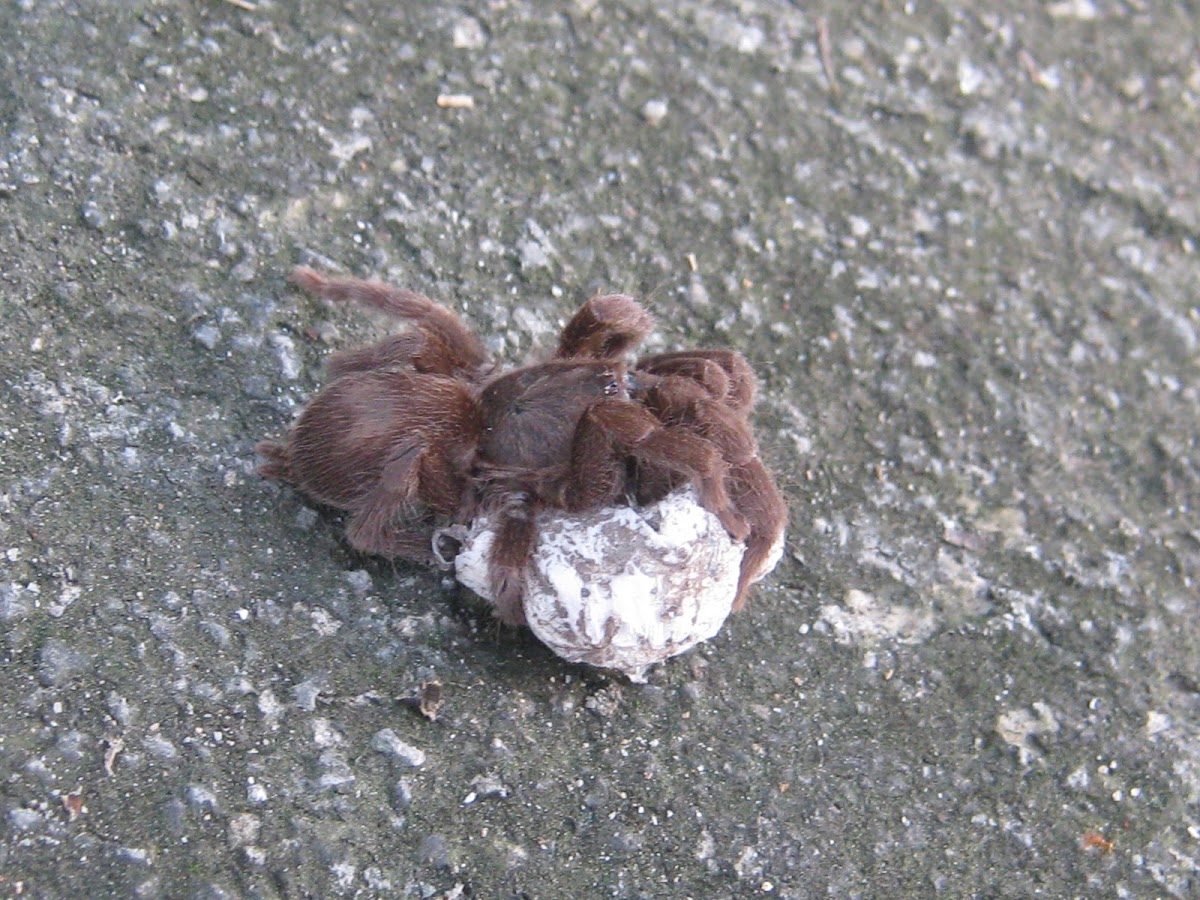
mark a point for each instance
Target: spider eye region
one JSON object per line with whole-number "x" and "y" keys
{"x": 622, "y": 384}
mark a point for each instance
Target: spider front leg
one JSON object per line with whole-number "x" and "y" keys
{"x": 615, "y": 428}
{"x": 681, "y": 401}
{"x": 723, "y": 373}
{"x": 441, "y": 343}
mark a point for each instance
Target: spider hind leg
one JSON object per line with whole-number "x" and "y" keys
{"x": 447, "y": 345}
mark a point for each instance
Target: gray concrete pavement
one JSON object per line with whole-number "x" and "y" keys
{"x": 959, "y": 248}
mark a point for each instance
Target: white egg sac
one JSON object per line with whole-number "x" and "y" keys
{"x": 622, "y": 587}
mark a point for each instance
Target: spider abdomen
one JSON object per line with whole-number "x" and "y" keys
{"x": 342, "y": 443}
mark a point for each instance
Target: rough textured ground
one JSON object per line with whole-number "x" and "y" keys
{"x": 960, "y": 249}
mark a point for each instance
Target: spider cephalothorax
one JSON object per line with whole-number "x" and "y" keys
{"x": 419, "y": 431}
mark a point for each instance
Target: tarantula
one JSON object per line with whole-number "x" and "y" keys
{"x": 420, "y": 430}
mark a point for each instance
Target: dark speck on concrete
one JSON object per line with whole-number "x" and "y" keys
{"x": 959, "y": 246}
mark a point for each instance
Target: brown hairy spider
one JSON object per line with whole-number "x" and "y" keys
{"x": 419, "y": 430}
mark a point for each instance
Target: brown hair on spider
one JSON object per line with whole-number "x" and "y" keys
{"x": 420, "y": 430}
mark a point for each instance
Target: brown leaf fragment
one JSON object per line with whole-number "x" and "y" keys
{"x": 1097, "y": 841}
{"x": 73, "y": 804}
{"x": 431, "y": 699}
{"x": 428, "y": 701}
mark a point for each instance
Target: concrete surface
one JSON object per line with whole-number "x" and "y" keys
{"x": 959, "y": 247}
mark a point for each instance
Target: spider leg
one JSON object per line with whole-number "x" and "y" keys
{"x": 758, "y": 499}
{"x": 740, "y": 388}
{"x": 396, "y": 352}
{"x": 701, "y": 462}
{"x": 614, "y": 428}
{"x": 605, "y": 328}
{"x": 277, "y": 464}
{"x": 704, "y": 374}
{"x": 514, "y": 542}
{"x": 447, "y": 346}
{"x": 596, "y": 472}
{"x": 682, "y": 401}
{"x": 685, "y": 393}
{"x": 373, "y": 524}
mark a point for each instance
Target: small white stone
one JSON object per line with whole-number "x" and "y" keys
{"x": 621, "y": 588}
{"x": 654, "y": 111}
{"x": 468, "y": 34}
{"x": 1082, "y": 10}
